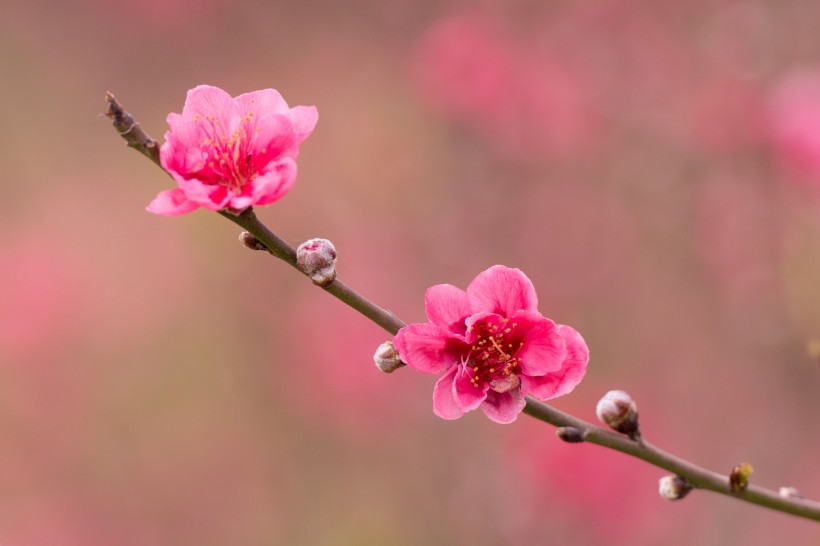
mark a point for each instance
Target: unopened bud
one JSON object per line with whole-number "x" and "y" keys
{"x": 789, "y": 493}
{"x": 739, "y": 477}
{"x": 673, "y": 487}
{"x": 251, "y": 242}
{"x": 317, "y": 259}
{"x": 619, "y": 411}
{"x": 387, "y": 358}
{"x": 570, "y": 435}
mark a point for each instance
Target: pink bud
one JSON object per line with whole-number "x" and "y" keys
{"x": 316, "y": 258}
{"x": 387, "y": 358}
{"x": 619, "y": 411}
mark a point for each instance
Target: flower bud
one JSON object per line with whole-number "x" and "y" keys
{"x": 739, "y": 477}
{"x": 619, "y": 411}
{"x": 789, "y": 493}
{"x": 387, "y": 358}
{"x": 251, "y": 242}
{"x": 317, "y": 259}
{"x": 570, "y": 435}
{"x": 673, "y": 487}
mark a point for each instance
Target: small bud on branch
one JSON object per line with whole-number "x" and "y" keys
{"x": 387, "y": 358}
{"x": 739, "y": 477}
{"x": 570, "y": 435}
{"x": 251, "y": 242}
{"x": 317, "y": 259}
{"x": 673, "y": 487}
{"x": 619, "y": 411}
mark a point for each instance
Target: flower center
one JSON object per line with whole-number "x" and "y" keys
{"x": 227, "y": 160}
{"x": 492, "y": 356}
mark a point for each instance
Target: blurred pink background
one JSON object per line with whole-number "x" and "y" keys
{"x": 654, "y": 167}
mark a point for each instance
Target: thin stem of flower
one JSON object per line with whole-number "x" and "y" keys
{"x": 696, "y": 476}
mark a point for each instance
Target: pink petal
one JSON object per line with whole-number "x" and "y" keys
{"x": 446, "y": 306}
{"x": 239, "y": 202}
{"x": 171, "y": 202}
{"x": 544, "y": 349}
{"x": 561, "y": 382}
{"x": 502, "y": 290}
{"x": 264, "y": 101}
{"x": 182, "y": 133}
{"x": 304, "y": 119}
{"x": 208, "y": 196}
{"x": 468, "y": 397}
{"x": 470, "y": 322}
{"x": 428, "y": 348}
{"x": 503, "y": 407}
{"x": 272, "y": 137}
{"x": 444, "y": 404}
{"x": 207, "y": 100}
{"x": 274, "y": 182}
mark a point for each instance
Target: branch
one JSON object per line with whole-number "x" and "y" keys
{"x": 570, "y": 429}
{"x": 130, "y": 130}
{"x": 693, "y": 474}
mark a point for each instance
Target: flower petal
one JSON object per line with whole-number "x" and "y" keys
{"x": 543, "y": 349}
{"x": 264, "y": 100}
{"x": 208, "y": 196}
{"x": 446, "y": 306}
{"x": 503, "y": 407}
{"x": 272, "y": 137}
{"x": 183, "y": 133}
{"x": 444, "y": 404}
{"x": 468, "y": 396}
{"x": 573, "y": 369}
{"x": 428, "y": 348}
{"x": 304, "y": 119}
{"x": 207, "y": 100}
{"x": 274, "y": 181}
{"x": 502, "y": 290}
{"x": 171, "y": 202}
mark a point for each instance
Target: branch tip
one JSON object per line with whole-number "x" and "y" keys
{"x": 130, "y": 130}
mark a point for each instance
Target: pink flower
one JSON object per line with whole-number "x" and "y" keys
{"x": 493, "y": 346}
{"x": 231, "y": 153}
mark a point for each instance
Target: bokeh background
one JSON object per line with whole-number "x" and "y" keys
{"x": 654, "y": 167}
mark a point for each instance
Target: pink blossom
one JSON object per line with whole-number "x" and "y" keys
{"x": 795, "y": 121}
{"x": 493, "y": 346}
{"x": 231, "y": 153}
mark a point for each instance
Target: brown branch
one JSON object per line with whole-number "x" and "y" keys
{"x": 130, "y": 130}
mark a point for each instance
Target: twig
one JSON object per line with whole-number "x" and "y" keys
{"x": 130, "y": 130}
{"x": 695, "y": 475}
{"x": 581, "y": 431}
